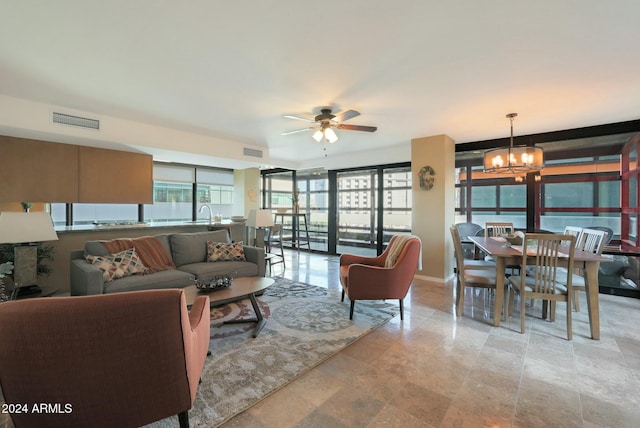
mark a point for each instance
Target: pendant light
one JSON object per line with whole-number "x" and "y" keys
{"x": 514, "y": 159}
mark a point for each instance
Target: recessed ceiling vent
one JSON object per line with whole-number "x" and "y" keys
{"x": 252, "y": 152}
{"x": 81, "y": 122}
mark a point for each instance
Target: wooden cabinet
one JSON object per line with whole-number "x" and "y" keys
{"x": 37, "y": 171}
{"x": 40, "y": 171}
{"x": 112, "y": 176}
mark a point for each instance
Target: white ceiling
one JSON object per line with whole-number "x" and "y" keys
{"x": 225, "y": 72}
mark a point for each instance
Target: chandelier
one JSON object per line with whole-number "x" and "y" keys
{"x": 513, "y": 160}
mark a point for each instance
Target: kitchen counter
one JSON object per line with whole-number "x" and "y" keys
{"x": 126, "y": 226}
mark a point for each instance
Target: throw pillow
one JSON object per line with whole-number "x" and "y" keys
{"x": 221, "y": 251}
{"x": 118, "y": 265}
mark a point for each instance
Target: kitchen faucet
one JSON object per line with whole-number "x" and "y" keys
{"x": 208, "y": 208}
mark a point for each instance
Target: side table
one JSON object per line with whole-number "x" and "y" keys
{"x": 43, "y": 291}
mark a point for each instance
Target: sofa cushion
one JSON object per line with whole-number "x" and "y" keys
{"x": 221, "y": 251}
{"x": 118, "y": 265}
{"x": 172, "y": 278}
{"x": 189, "y": 248}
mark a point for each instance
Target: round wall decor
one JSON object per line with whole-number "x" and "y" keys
{"x": 427, "y": 177}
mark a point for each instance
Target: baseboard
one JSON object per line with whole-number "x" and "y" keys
{"x": 434, "y": 279}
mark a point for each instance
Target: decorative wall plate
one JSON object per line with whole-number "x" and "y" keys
{"x": 427, "y": 177}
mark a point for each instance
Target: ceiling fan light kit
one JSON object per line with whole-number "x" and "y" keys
{"x": 326, "y": 121}
{"x": 513, "y": 160}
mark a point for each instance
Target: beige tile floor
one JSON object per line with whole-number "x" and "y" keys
{"x": 436, "y": 370}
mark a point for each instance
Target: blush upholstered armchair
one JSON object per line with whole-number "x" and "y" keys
{"x": 387, "y": 276}
{"x": 115, "y": 360}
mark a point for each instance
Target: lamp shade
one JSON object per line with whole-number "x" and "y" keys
{"x": 260, "y": 218}
{"x": 21, "y": 227}
{"x": 514, "y": 160}
{"x": 330, "y": 135}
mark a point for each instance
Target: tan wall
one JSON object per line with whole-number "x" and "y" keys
{"x": 247, "y": 190}
{"x": 434, "y": 210}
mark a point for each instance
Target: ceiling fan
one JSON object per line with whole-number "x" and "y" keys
{"x": 325, "y": 122}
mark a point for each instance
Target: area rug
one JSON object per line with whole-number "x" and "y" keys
{"x": 306, "y": 325}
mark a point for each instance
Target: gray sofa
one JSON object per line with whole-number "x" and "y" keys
{"x": 189, "y": 253}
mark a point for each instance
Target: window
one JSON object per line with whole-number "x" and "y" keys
{"x": 173, "y": 192}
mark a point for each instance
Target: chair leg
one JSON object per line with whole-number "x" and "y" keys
{"x": 569, "y": 327}
{"x": 522, "y": 311}
{"x": 342, "y": 299}
{"x": 353, "y": 302}
{"x": 401, "y": 310}
{"x": 512, "y": 294}
{"x": 552, "y": 315}
{"x": 459, "y": 298}
{"x": 576, "y": 303}
{"x": 183, "y": 418}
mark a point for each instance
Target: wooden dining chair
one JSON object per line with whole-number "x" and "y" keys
{"x": 573, "y": 230}
{"x": 469, "y": 276}
{"x": 466, "y": 230}
{"x": 592, "y": 241}
{"x": 498, "y": 228}
{"x": 547, "y": 282}
{"x": 494, "y": 229}
{"x": 471, "y": 263}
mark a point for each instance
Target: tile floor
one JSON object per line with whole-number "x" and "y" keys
{"x": 436, "y": 370}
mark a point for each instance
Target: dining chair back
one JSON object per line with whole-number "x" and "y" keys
{"x": 575, "y": 231}
{"x": 466, "y": 230}
{"x": 498, "y": 228}
{"x": 592, "y": 241}
{"x": 608, "y": 233}
{"x": 543, "y": 252}
{"x": 469, "y": 276}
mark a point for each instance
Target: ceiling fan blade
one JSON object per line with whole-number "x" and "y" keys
{"x": 290, "y": 116}
{"x": 345, "y": 115}
{"x": 295, "y": 131}
{"x": 357, "y": 127}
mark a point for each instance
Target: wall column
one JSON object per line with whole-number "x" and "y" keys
{"x": 434, "y": 209}
{"x": 246, "y": 194}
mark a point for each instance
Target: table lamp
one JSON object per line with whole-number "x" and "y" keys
{"x": 25, "y": 229}
{"x": 260, "y": 220}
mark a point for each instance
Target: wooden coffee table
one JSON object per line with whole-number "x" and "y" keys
{"x": 240, "y": 288}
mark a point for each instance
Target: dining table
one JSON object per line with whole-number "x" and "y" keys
{"x": 505, "y": 255}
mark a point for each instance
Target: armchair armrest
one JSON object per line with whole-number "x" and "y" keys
{"x": 85, "y": 278}
{"x": 196, "y": 326}
{"x": 255, "y": 255}
{"x": 348, "y": 259}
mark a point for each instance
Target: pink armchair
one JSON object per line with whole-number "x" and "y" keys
{"x": 114, "y": 360}
{"x": 367, "y": 278}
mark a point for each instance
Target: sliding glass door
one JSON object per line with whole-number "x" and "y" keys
{"x": 357, "y": 212}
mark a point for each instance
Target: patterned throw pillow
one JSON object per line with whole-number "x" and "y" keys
{"x": 221, "y": 251}
{"x": 118, "y": 265}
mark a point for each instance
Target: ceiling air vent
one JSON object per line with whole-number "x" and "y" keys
{"x": 81, "y": 122}
{"x": 252, "y": 152}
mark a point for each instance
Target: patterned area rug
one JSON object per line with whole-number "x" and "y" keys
{"x": 306, "y": 325}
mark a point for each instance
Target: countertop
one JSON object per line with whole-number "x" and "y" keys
{"x": 138, "y": 226}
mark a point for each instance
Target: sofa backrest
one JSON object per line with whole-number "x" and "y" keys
{"x": 97, "y": 248}
{"x": 189, "y": 248}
